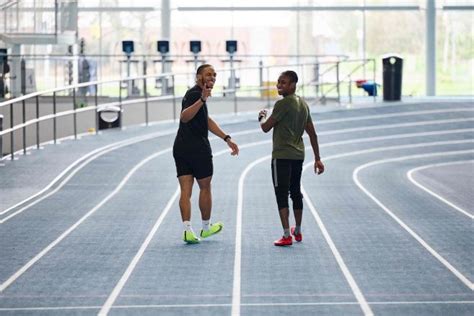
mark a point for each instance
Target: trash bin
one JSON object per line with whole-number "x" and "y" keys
{"x": 392, "y": 77}
{"x": 109, "y": 116}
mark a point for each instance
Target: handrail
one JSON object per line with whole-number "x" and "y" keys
{"x": 80, "y": 85}
{"x": 142, "y": 98}
{"x": 339, "y": 81}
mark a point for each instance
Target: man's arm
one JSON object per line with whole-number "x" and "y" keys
{"x": 313, "y": 138}
{"x": 216, "y": 130}
{"x": 191, "y": 111}
{"x": 188, "y": 113}
{"x": 266, "y": 124}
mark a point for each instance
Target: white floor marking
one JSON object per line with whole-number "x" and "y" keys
{"x": 123, "y": 280}
{"x": 296, "y": 304}
{"x": 238, "y": 239}
{"x": 88, "y": 158}
{"x": 41, "y": 254}
{"x": 30, "y": 263}
{"x": 340, "y": 261}
{"x": 146, "y": 137}
{"x": 439, "y": 197}
{"x": 118, "y": 288}
{"x": 355, "y": 177}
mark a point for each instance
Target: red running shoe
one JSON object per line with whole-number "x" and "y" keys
{"x": 284, "y": 241}
{"x": 298, "y": 237}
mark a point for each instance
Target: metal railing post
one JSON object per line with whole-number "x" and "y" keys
{"x": 375, "y": 84}
{"x": 12, "y": 145}
{"x": 268, "y": 87}
{"x": 74, "y": 109}
{"x": 302, "y": 80}
{"x": 146, "y": 101}
{"x": 235, "y": 101}
{"x": 54, "y": 118}
{"x": 37, "y": 124}
{"x": 96, "y": 113}
{"x": 260, "y": 76}
{"x": 350, "y": 90}
{"x": 24, "y": 127}
{"x": 338, "y": 88}
{"x": 174, "y": 99}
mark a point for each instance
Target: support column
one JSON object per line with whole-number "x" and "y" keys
{"x": 430, "y": 48}
{"x": 165, "y": 20}
{"x": 15, "y": 71}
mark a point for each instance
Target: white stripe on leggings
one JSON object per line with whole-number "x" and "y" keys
{"x": 275, "y": 173}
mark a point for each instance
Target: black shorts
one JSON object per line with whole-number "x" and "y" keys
{"x": 199, "y": 166}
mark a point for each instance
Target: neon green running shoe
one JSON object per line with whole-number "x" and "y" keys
{"x": 213, "y": 229}
{"x": 190, "y": 238}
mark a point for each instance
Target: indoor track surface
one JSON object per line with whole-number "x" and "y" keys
{"x": 92, "y": 226}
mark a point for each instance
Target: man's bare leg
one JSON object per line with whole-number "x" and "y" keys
{"x": 205, "y": 198}
{"x": 284, "y": 217}
{"x": 186, "y": 185}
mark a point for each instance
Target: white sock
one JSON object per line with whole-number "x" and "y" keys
{"x": 286, "y": 233}
{"x": 206, "y": 225}
{"x": 187, "y": 226}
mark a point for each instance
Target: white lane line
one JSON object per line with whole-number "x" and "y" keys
{"x": 146, "y": 137}
{"x": 30, "y": 263}
{"x": 355, "y": 177}
{"x": 236, "y": 291}
{"x": 340, "y": 261}
{"x": 169, "y": 132}
{"x": 398, "y": 114}
{"x": 339, "y": 258}
{"x": 131, "y": 267}
{"x": 118, "y": 288}
{"x": 439, "y": 197}
{"x": 88, "y": 158}
{"x": 59, "y": 239}
{"x": 296, "y": 304}
{"x": 236, "y": 298}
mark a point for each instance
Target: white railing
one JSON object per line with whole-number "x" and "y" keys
{"x": 310, "y": 88}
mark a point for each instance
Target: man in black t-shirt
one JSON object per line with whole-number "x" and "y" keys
{"x": 193, "y": 154}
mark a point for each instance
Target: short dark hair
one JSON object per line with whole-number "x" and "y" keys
{"x": 201, "y": 68}
{"x": 291, "y": 75}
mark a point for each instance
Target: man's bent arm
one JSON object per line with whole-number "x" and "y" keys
{"x": 191, "y": 111}
{"x": 268, "y": 124}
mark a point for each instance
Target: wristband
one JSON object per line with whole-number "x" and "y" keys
{"x": 227, "y": 137}
{"x": 202, "y": 100}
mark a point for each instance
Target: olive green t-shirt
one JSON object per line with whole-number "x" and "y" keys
{"x": 292, "y": 114}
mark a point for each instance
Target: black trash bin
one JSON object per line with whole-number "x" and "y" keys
{"x": 109, "y": 116}
{"x": 392, "y": 77}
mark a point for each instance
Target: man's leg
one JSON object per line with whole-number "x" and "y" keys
{"x": 296, "y": 196}
{"x": 281, "y": 182}
{"x": 284, "y": 217}
{"x": 205, "y": 197}
{"x": 186, "y": 185}
{"x": 205, "y": 204}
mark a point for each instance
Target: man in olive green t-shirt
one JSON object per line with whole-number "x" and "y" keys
{"x": 289, "y": 119}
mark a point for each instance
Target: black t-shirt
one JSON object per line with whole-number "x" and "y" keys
{"x": 192, "y": 137}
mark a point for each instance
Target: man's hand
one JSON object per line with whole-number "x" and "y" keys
{"x": 206, "y": 92}
{"x": 233, "y": 146}
{"x": 262, "y": 115}
{"x": 318, "y": 167}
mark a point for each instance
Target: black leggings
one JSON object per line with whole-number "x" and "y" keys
{"x": 286, "y": 176}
